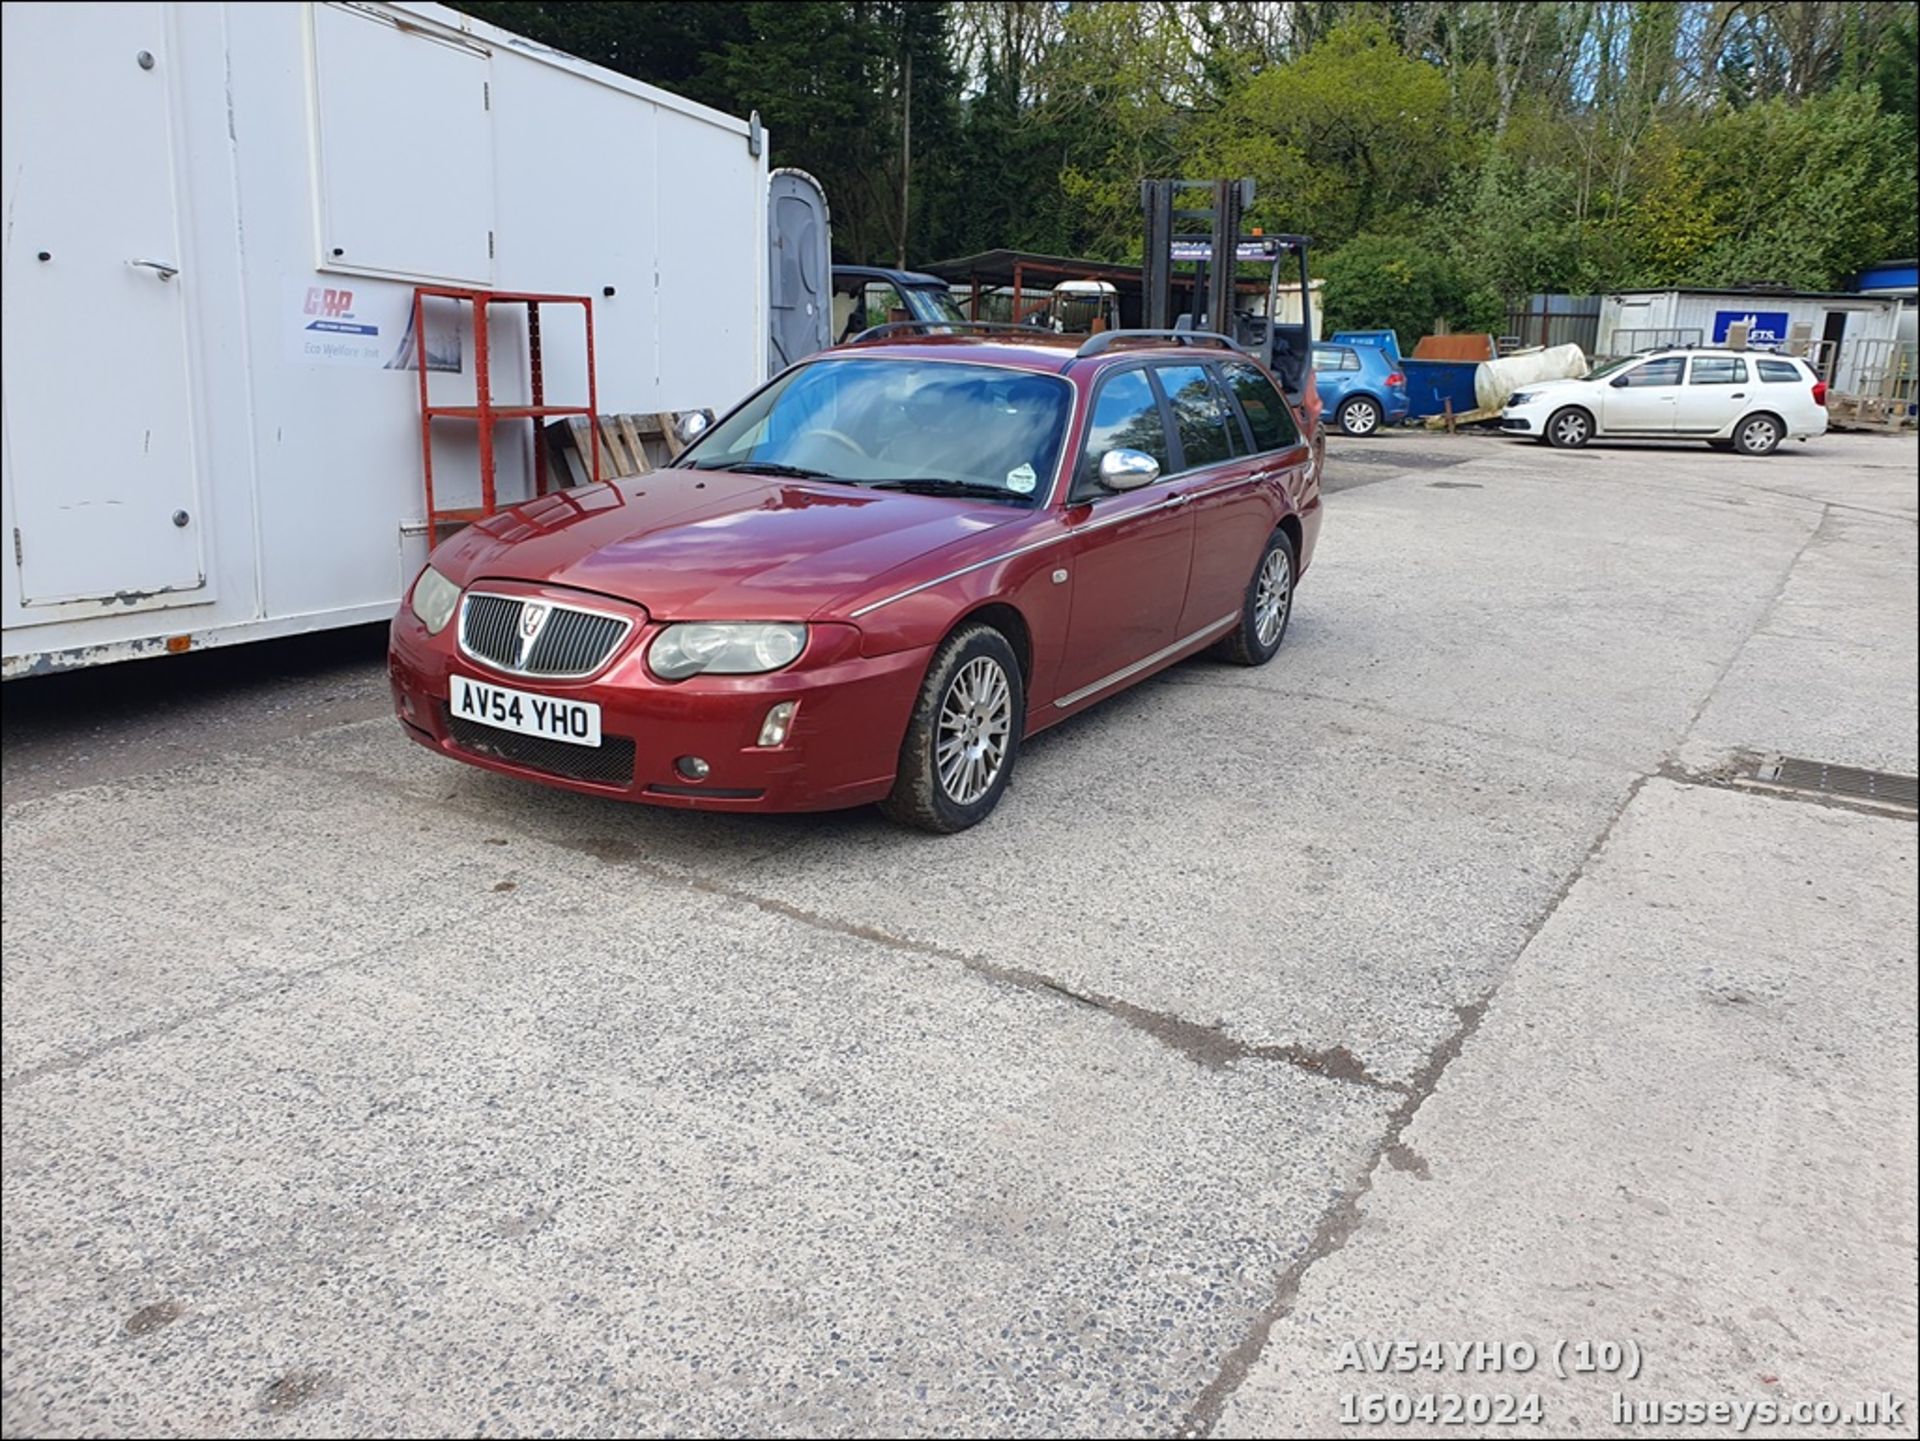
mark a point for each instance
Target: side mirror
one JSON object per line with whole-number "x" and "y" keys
{"x": 690, "y": 425}
{"x": 1128, "y": 469}
{"x": 1620, "y": 383}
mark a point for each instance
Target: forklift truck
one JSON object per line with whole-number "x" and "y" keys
{"x": 1193, "y": 235}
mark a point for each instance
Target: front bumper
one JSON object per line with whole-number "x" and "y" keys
{"x": 1517, "y": 425}
{"x": 841, "y": 750}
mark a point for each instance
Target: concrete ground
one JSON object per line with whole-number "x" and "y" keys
{"x": 1434, "y": 983}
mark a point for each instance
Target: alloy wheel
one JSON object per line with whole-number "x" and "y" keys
{"x": 1272, "y": 595}
{"x": 976, "y": 719}
{"x": 1359, "y": 418}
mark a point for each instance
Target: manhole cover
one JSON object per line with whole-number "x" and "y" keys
{"x": 1880, "y": 788}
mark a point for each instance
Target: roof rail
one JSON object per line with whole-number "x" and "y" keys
{"x": 896, "y": 327}
{"x": 1097, "y": 344}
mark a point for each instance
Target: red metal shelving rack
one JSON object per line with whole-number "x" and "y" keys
{"x": 483, "y": 410}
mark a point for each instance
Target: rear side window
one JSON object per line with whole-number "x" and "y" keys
{"x": 1665, "y": 371}
{"x": 1717, "y": 370}
{"x": 1126, "y": 416}
{"x": 1267, "y": 414}
{"x": 1200, "y": 414}
{"x": 1325, "y": 358}
{"x": 1774, "y": 370}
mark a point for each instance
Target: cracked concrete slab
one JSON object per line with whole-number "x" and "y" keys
{"x": 1703, "y": 1069}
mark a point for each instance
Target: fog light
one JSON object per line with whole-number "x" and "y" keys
{"x": 773, "y": 730}
{"x": 692, "y": 767}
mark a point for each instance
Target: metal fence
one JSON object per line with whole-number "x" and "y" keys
{"x": 1633, "y": 341}
{"x": 1556, "y": 320}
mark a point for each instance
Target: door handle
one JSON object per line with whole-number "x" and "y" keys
{"x": 158, "y": 267}
{"x": 1738, "y": 395}
{"x": 1175, "y": 501}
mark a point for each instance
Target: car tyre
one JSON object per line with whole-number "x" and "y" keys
{"x": 1359, "y": 416}
{"x": 1758, "y": 435}
{"x": 964, "y": 735}
{"x": 1266, "y": 607}
{"x": 1569, "y": 429}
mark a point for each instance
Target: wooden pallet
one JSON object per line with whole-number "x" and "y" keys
{"x": 630, "y": 444}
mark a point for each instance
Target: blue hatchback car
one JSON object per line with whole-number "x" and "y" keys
{"x": 1361, "y": 388}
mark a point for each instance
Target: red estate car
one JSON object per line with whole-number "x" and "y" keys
{"x": 873, "y": 578}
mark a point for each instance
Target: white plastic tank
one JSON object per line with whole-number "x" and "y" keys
{"x": 1494, "y": 381}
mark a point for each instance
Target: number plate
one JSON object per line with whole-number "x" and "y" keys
{"x": 577, "y": 722}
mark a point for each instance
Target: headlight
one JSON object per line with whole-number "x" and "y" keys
{"x": 1520, "y": 397}
{"x": 434, "y": 597}
{"x": 724, "y": 649}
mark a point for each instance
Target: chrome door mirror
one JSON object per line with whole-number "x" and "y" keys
{"x": 691, "y": 425}
{"x": 1128, "y": 469}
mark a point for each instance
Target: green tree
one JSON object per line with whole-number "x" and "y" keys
{"x": 1390, "y": 282}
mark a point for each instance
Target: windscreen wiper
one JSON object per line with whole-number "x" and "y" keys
{"x": 766, "y": 467}
{"x": 933, "y": 485}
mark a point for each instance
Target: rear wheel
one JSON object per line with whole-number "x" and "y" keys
{"x": 1569, "y": 429}
{"x": 1758, "y": 435}
{"x": 964, "y": 735}
{"x": 1359, "y": 416}
{"x": 1266, "y": 608}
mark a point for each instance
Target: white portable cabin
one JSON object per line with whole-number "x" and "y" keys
{"x": 1837, "y": 323}
{"x": 216, "y": 215}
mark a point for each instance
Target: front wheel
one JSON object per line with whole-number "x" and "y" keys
{"x": 1359, "y": 416}
{"x": 963, "y": 737}
{"x": 1758, "y": 435}
{"x": 1266, "y": 608}
{"x": 1569, "y": 429}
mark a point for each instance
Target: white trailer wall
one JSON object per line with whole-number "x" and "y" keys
{"x": 1867, "y": 317}
{"x": 264, "y": 391}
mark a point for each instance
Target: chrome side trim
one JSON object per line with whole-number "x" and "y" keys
{"x": 460, "y": 636}
{"x": 1172, "y": 502}
{"x": 1086, "y": 690}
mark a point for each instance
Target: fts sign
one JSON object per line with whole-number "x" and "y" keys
{"x": 1764, "y": 327}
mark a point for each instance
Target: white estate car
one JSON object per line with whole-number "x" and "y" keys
{"x": 1741, "y": 400}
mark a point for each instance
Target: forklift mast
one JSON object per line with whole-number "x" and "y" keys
{"x": 1208, "y": 237}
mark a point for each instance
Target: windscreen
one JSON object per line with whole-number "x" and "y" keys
{"x": 981, "y": 430}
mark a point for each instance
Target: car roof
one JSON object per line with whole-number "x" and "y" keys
{"x": 913, "y": 279}
{"x": 1043, "y": 350}
{"x": 1679, "y": 350}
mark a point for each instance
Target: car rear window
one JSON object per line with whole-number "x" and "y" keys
{"x": 1200, "y": 415}
{"x": 1267, "y": 414}
{"x": 1717, "y": 370}
{"x": 1126, "y": 416}
{"x": 879, "y": 419}
{"x": 1777, "y": 370}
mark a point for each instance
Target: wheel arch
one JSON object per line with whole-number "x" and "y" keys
{"x": 1006, "y": 618}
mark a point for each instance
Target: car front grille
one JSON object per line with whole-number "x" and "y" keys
{"x": 572, "y": 642}
{"x": 608, "y": 764}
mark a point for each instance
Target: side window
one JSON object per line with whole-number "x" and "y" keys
{"x": 1325, "y": 359}
{"x": 1778, "y": 370}
{"x": 884, "y": 304}
{"x": 1665, "y": 371}
{"x": 1126, "y": 416}
{"x": 1349, "y": 360}
{"x": 1267, "y": 414}
{"x": 1717, "y": 370}
{"x": 1200, "y": 415}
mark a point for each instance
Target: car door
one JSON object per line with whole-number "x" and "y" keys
{"x": 1230, "y": 517}
{"x": 1127, "y": 553}
{"x": 1643, "y": 399}
{"x": 1714, "y": 396}
{"x": 1333, "y": 376}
